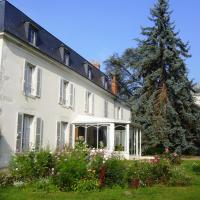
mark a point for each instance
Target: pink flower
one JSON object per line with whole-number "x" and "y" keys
{"x": 175, "y": 154}
{"x": 166, "y": 149}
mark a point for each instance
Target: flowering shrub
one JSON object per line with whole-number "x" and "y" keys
{"x": 174, "y": 158}
{"x": 115, "y": 172}
{"x": 32, "y": 165}
{"x": 6, "y": 179}
{"x": 71, "y": 166}
{"x": 178, "y": 177}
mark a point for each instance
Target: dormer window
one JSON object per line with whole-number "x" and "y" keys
{"x": 31, "y": 32}
{"x": 89, "y": 73}
{"x": 32, "y": 35}
{"x": 66, "y": 57}
{"x": 105, "y": 82}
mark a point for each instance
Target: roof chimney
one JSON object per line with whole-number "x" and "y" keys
{"x": 114, "y": 85}
{"x": 96, "y": 64}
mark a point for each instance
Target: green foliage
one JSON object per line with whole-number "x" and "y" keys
{"x": 84, "y": 185}
{"x": 71, "y": 166}
{"x": 196, "y": 167}
{"x": 115, "y": 172}
{"x": 32, "y": 165}
{"x": 22, "y": 166}
{"x": 6, "y": 179}
{"x": 178, "y": 177}
{"x": 43, "y": 185}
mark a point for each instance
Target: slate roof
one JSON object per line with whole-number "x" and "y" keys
{"x": 13, "y": 21}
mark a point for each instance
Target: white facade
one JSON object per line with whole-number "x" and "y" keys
{"x": 13, "y": 58}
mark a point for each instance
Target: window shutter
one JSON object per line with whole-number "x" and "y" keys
{"x": 93, "y": 104}
{"x": 39, "y": 133}
{"x": 71, "y": 94}
{"x": 61, "y": 91}
{"x": 58, "y": 134}
{"x": 86, "y": 102}
{"x": 39, "y": 82}
{"x": 105, "y": 109}
{"x": 19, "y": 132}
{"x": 25, "y": 81}
{"x": 122, "y": 113}
{"x": 71, "y": 135}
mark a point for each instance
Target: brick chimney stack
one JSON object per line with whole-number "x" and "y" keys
{"x": 96, "y": 64}
{"x": 114, "y": 85}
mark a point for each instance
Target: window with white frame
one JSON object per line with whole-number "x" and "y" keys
{"x": 32, "y": 35}
{"x": 67, "y": 93}
{"x": 32, "y": 80}
{"x": 25, "y": 130}
{"x": 89, "y": 102}
{"x": 61, "y": 134}
{"x": 105, "y": 82}
{"x": 105, "y": 108}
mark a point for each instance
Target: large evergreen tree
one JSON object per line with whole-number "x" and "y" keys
{"x": 163, "y": 104}
{"x": 165, "y": 107}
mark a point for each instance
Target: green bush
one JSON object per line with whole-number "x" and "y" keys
{"x": 70, "y": 167}
{"x": 22, "y": 166}
{"x": 196, "y": 167}
{"x": 43, "y": 163}
{"x": 6, "y": 179}
{"x": 32, "y": 165}
{"x": 86, "y": 184}
{"x": 115, "y": 172}
{"x": 178, "y": 177}
{"x": 161, "y": 171}
{"x": 44, "y": 185}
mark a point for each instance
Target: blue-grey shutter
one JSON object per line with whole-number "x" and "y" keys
{"x": 93, "y": 104}
{"x": 71, "y": 135}
{"x": 122, "y": 113}
{"x": 71, "y": 94}
{"x": 19, "y": 132}
{"x": 58, "y": 134}
{"x": 105, "y": 108}
{"x": 39, "y": 82}
{"x": 61, "y": 92}
{"x": 39, "y": 134}
{"x": 86, "y": 102}
{"x": 25, "y": 81}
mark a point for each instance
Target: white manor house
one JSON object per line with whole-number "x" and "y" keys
{"x": 51, "y": 96}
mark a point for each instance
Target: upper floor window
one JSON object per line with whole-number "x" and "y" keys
{"x": 32, "y": 80}
{"x": 67, "y": 93}
{"x": 32, "y": 35}
{"x": 89, "y": 102}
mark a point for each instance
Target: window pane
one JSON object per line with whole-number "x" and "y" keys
{"x": 120, "y": 138}
{"x": 80, "y": 133}
{"x": 92, "y": 137}
{"x": 102, "y": 137}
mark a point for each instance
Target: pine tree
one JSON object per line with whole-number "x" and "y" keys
{"x": 165, "y": 106}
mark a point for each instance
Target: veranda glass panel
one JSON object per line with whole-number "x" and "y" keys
{"x": 92, "y": 137}
{"x": 102, "y": 139}
{"x": 120, "y": 137}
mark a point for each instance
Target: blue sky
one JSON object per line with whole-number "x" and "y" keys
{"x": 98, "y": 28}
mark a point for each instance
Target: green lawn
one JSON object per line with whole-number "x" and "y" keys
{"x": 155, "y": 193}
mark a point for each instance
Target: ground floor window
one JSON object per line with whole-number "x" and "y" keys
{"x": 24, "y": 130}
{"x": 120, "y": 138}
{"x": 95, "y": 136}
{"x": 61, "y": 134}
